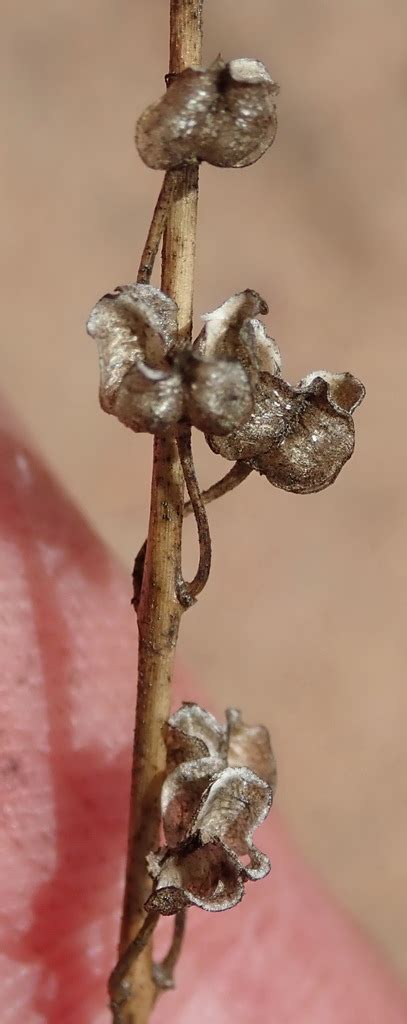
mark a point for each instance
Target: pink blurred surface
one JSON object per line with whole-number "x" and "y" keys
{"x": 303, "y": 623}
{"x": 67, "y": 638}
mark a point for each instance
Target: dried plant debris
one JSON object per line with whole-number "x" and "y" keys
{"x": 225, "y": 114}
{"x": 219, "y": 789}
{"x": 151, "y": 383}
{"x": 226, "y": 383}
{"x": 298, "y": 437}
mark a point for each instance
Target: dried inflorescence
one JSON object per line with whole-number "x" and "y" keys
{"x": 298, "y": 437}
{"x": 225, "y": 114}
{"x": 219, "y": 789}
{"x": 151, "y": 383}
{"x": 227, "y": 383}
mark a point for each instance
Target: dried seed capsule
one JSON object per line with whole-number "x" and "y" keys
{"x": 212, "y": 802}
{"x": 134, "y": 328}
{"x": 298, "y": 437}
{"x": 151, "y": 385}
{"x": 225, "y": 115}
{"x": 219, "y": 395}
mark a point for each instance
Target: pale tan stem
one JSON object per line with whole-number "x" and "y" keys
{"x": 159, "y": 610}
{"x": 164, "y": 971}
{"x": 239, "y": 472}
{"x": 119, "y": 978}
{"x": 188, "y": 592}
{"x": 156, "y": 230}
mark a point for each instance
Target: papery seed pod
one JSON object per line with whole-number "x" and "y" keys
{"x": 182, "y": 794}
{"x": 225, "y": 115}
{"x": 250, "y": 745}
{"x": 134, "y": 328}
{"x": 211, "y": 805}
{"x": 232, "y": 332}
{"x": 209, "y": 877}
{"x": 191, "y": 733}
{"x": 311, "y": 454}
{"x": 298, "y": 437}
{"x": 219, "y": 395}
{"x": 150, "y": 400}
{"x": 152, "y": 385}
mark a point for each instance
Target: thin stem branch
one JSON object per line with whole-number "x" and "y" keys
{"x": 159, "y": 610}
{"x": 119, "y": 984}
{"x": 156, "y": 230}
{"x": 239, "y": 472}
{"x": 164, "y": 971}
{"x": 188, "y": 592}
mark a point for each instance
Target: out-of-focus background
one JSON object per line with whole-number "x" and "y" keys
{"x": 303, "y": 623}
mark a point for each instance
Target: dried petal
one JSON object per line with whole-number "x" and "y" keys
{"x": 233, "y": 806}
{"x": 219, "y": 396}
{"x": 273, "y": 409}
{"x": 182, "y": 794}
{"x": 209, "y": 877}
{"x": 314, "y": 450}
{"x": 221, "y": 337}
{"x": 193, "y": 722}
{"x": 149, "y": 400}
{"x": 181, "y": 747}
{"x": 344, "y": 391}
{"x": 134, "y": 329}
{"x": 232, "y": 333}
{"x": 210, "y": 811}
{"x": 249, "y": 746}
{"x": 299, "y": 438}
{"x": 256, "y": 339}
{"x": 225, "y": 115}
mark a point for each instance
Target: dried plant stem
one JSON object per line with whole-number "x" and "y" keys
{"x": 119, "y": 978}
{"x": 164, "y": 971}
{"x": 239, "y": 472}
{"x": 188, "y": 592}
{"x": 156, "y": 230}
{"x": 159, "y": 610}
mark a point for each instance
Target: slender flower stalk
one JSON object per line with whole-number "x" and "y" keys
{"x": 160, "y": 609}
{"x": 208, "y": 786}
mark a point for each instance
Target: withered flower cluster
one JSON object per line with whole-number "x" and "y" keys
{"x": 225, "y": 115}
{"x": 218, "y": 790}
{"x": 227, "y": 383}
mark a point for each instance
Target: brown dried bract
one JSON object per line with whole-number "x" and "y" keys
{"x": 212, "y": 802}
{"x": 225, "y": 115}
{"x": 298, "y": 437}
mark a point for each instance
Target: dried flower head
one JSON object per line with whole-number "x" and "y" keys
{"x": 151, "y": 384}
{"x": 219, "y": 789}
{"x": 227, "y": 383}
{"x": 225, "y": 115}
{"x": 298, "y": 437}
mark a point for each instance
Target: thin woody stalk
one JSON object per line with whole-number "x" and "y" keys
{"x": 227, "y": 384}
{"x": 159, "y": 610}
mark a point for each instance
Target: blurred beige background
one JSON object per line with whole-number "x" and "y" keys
{"x": 303, "y": 624}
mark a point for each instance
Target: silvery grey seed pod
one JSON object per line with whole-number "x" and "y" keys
{"x": 134, "y": 328}
{"x": 218, "y": 790}
{"x": 298, "y": 437}
{"x": 232, "y": 332}
{"x": 151, "y": 384}
{"x": 219, "y": 392}
{"x": 225, "y": 115}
